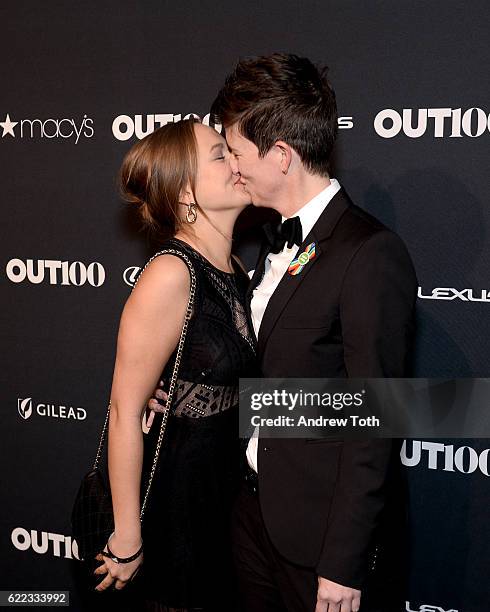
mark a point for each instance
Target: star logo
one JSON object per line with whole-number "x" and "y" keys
{"x": 8, "y": 126}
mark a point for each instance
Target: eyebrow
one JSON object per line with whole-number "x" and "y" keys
{"x": 217, "y": 145}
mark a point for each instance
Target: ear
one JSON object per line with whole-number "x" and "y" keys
{"x": 286, "y": 155}
{"x": 186, "y": 196}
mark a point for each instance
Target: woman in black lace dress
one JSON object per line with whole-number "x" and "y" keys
{"x": 181, "y": 179}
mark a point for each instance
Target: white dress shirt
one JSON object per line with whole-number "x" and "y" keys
{"x": 276, "y": 265}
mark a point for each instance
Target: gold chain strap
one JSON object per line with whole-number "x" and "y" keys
{"x": 174, "y": 373}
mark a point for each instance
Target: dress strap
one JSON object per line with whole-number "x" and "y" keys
{"x": 238, "y": 265}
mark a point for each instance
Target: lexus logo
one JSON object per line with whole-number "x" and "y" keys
{"x": 130, "y": 274}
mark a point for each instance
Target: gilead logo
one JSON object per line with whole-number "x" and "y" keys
{"x": 437, "y": 122}
{"x": 26, "y": 409}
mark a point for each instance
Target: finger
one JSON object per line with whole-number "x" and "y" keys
{"x": 321, "y": 606}
{"x": 101, "y": 569}
{"x": 154, "y": 405}
{"x": 356, "y": 604}
{"x": 149, "y": 420}
{"x": 346, "y": 606}
{"x": 333, "y": 607}
{"x": 120, "y": 584}
{"x": 105, "y": 584}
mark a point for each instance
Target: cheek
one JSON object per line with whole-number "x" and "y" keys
{"x": 262, "y": 177}
{"x": 248, "y": 170}
{"x": 211, "y": 186}
{"x": 204, "y": 187}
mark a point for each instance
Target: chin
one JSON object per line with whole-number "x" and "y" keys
{"x": 259, "y": 204}
{"x": 243, "y": 195}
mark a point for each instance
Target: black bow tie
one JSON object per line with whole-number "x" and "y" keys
{"x": 289, "y": 231}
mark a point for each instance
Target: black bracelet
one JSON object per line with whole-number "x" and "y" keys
{"x": 116, "y": 559}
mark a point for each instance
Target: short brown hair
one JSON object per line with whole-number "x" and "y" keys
{"x": 155, "y": 171}
{"x": 281, "y": 97}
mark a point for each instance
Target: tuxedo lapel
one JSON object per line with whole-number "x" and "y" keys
{"x": 288, "y": 284}
{"x": 283, "y": 293}
{"x": 259, "y": 268}
{"x": 256, "y": 278}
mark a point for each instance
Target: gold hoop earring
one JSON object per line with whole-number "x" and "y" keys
{"x": 191, "y": 214}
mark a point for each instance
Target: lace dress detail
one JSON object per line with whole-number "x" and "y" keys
{"x": 187, "y": 553}
{"x": 197, "y": 399}
{"x": 236, "y": 306}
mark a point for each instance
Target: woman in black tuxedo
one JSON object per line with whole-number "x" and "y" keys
{"x": 309, "y": 514}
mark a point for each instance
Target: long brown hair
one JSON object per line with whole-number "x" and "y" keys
{"x": 156, "y": 170}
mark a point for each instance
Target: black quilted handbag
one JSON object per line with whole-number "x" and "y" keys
{"x": 92, "y": 517}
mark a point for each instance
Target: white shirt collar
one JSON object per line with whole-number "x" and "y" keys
{"x": 309, "y": 213}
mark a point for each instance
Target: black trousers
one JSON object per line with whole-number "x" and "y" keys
{"x": 267, "y": 581}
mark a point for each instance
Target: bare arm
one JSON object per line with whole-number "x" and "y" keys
{"x": 149, "y": 330}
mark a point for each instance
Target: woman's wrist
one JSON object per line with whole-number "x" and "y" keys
{"x": 116, "y": 558}
{"x": 123, "y": 545}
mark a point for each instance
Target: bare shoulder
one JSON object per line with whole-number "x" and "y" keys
{"x": 166, "y": 277}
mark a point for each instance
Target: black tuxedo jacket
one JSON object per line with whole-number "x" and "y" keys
{"x": 350, "y": 312}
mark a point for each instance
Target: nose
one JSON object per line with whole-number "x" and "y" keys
{"x": 234, "y": 165}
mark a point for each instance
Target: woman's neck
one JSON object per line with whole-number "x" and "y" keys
{"x": 212, "y": 242}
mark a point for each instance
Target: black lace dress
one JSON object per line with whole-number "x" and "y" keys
{"x": 187, "y": 556}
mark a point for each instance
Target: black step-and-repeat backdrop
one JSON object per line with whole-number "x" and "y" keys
{"x": 81, "y": 82}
